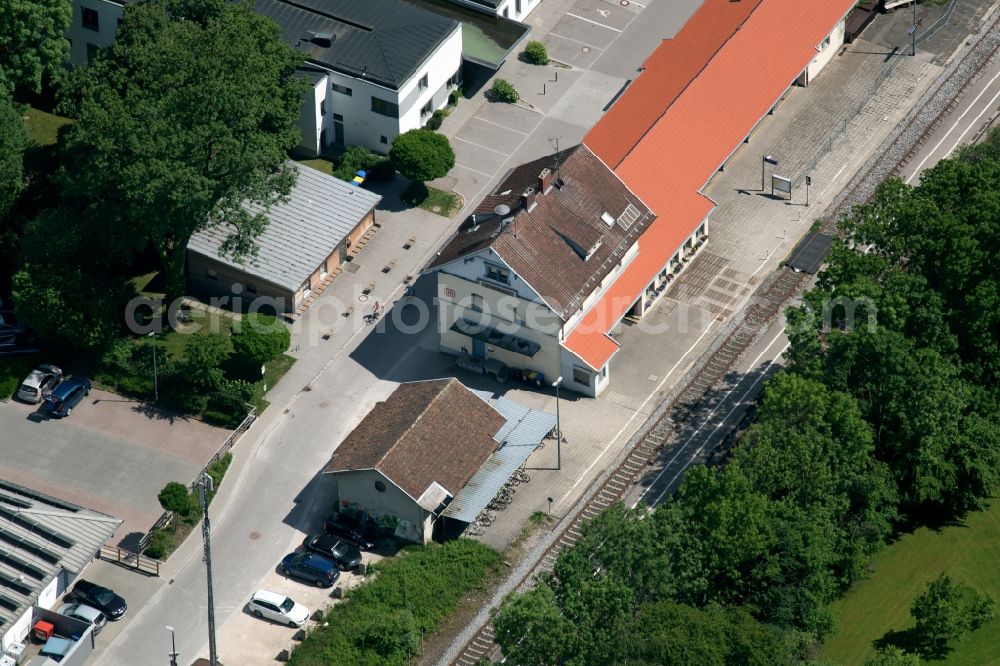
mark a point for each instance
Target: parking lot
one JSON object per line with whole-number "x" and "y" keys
{"x": 111, "y": 455}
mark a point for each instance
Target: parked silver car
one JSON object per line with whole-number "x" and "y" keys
{"x": 86, "y": 614}
{"x": 278, "y": 608}
{"x": 39, "y": 383}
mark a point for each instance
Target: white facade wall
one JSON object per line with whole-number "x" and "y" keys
{"x": 827, "y": 49}
{"x": 473, "y": 267}
{"x": 572, "y": 369}
{"x": 108, "y": 16}
{"x": 356, "y": 490}
{"x": 361, "y": 125}
{"x": 516, "y": 10}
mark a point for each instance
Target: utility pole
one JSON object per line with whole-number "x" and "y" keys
{"x": 557, "y": 383}
{"x": 913, "y": 30}
{"x": 809, "y": 181}
{"x": 173, "y": 647}
{"x": 205, "y": 486}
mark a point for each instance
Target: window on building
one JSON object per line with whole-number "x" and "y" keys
{"x": 604, "y": 372}
{"x": 497, "y": 274}
{"x": 477, "y": 303}
{"x": 338, "y": 117}
{"x": 385, "y": 107}
{"x": 423, "y": 83}
{"x": 343, "y": 90}
{"x": 517, "y": 7}
{"x": 91, "y": 21}
{"x": 581, "y": 376}
{"x": 92, "y": 50}
{"x": 383, "y": 139}
{"x": 322, "y": 107}
{"x": 826, "y": 43}
{"x": 427, "y": 109}
{"x": 454, "y": 79}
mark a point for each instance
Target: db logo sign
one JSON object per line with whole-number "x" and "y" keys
{"x": 449, "y": 292}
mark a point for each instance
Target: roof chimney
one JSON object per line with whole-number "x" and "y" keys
{"x": 545, "y": 180}
{"x": 528, "y": 198}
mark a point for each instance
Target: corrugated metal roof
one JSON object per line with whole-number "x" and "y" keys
{"x": 520, "y": 436}
{"x": 40, "y": 537}
{"x": 320, "y": 212}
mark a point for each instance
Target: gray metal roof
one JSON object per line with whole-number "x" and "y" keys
{"x": 302, "y": 232}
{"x": 810, "y": 253}
{"x": 519, "y": 437}
{"x": 40, "y": 537}
{"x": 382, "y": 40}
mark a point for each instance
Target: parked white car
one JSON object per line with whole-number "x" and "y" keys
{"x": 39, "y": 383}
{"x": 278, "y": 608}
{"x": 86, "y": 614}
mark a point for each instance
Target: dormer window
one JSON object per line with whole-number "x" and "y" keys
{"x": 497, "y": 274}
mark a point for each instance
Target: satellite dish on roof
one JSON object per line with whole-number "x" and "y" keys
{"x": 502, "y": 209}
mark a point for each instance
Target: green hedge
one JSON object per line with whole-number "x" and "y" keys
{"x": 381, "y": 621}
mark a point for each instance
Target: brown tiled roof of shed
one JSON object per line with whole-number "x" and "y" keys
{"x": 425, "y": 432}
{"x": 547, "y": 245}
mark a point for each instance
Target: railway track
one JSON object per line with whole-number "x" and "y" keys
{"x": 765, "y": 305}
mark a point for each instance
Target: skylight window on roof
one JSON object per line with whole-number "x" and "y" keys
{"x": 608, "y": 220}
{"x": 630, "y": 215}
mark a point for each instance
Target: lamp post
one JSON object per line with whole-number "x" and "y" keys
{"x": 156, "y": 385}
{"x": 557, "y": 383}
{"x": 809, "y": 181}
{"x": 173, "y": 647}
{"x": 764, "y": 161}
{"x": 205, "y": 486}
{"x": 913, "y": 30}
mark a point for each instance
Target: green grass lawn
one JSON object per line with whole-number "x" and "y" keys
{"x": 969, "y": 553}
{"x": 320, "y": 164}
{"x": 431, "y": 199}
{"x": 43, "y": 126}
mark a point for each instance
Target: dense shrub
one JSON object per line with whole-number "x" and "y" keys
{"x": 176, "y": 498}
{"x": 203, "y": 357}
{"x": 535, "y": 53}
{"x": 260, "y": 338}
{"x": 436, "y": 119}
{"x": 504, "y": 91}
{"x": 354, "y": 159}
{"x": 422, "y": 155}
{"x": 454, "y": 97}
{"x": 161, "y": 543}
{"x": 382, "y": 171}
{"x": 382, "y": 619}
{"x": 227, "y": 405}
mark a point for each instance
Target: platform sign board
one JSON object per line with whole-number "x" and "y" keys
{"x": 781, "y": 184}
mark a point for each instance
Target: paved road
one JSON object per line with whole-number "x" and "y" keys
{"x": 977, "y": 109}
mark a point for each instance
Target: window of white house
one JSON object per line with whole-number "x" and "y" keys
{"x": 343, "y": 90}
{"x": 426, "y": 110}
{"x": 604, "y": 372}
{"x": 826, "y": 43}
{"x": 90, "y": 19}
{"x": 497, "y": 274}
{"x": 455, "y": 78}
{"x": 385, "y": 107}
{"x": 339, "y": 118}
{"x": 423, "y": 83}
{"x": 581, "y": 376}
{"x": 477, "y": 303}
{"x": 322, "y": 107}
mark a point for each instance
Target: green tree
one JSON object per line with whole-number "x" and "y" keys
{"x": 33, "y": 41}
{"x": 13, "y": 142}
{"x": 176, "y": 498}
{"x": 894, "y": 656}
{"x": 186, "y": 118}
{"x": 532, "y": 631}
{"x": 536, "y": 53}
{"x": 261, "y": 338}
{"x": 422, "y": 155}
{"x": 939, "y": 611}
{"x": 203, "y": 356}
{"x": 503, "y": 90}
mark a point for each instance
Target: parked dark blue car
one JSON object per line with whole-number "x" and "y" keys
{"x": 66, "y": 396}
{"x": 311, "y": 567}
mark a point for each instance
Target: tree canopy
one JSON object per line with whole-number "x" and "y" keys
{"x": 13, "y": 142}
{"x": 422, "y": 155}
{"x": 188, "y": 116}
{"x": 33, "y": 41}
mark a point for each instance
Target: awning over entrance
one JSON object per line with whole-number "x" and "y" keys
{"x": 524, "y": 431}
{"x": 492, "y": 336}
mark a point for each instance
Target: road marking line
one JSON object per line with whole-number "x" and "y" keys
{"x": 638, "y": 411}
{"x": 933, "y": 150}
{"x": 600, "y": 25}
{"x": 570, "y": 39}
{"x": 695, "y": 433}
{"x": 509, "y": 129}
{"x": 477, "y": 145}
{"x": 468, "y": 168}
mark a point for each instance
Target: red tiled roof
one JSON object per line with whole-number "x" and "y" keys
{"x": 670, "y": 68}
{"x": 694, "y": 136}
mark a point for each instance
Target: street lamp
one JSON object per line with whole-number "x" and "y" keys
{"x": 173, "y": 647}
{"x": 557, "y": 383}
{"x": 765, "y": 160}
{"x": 205, "y": 486}
{"x": 156, "y": 385}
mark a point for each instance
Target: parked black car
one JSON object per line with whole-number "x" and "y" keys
{"x": 66, "y": 396}
{"x": 310, "y": 567}
{"x": 362, "y": 534}
{"x": 344, "y": 554}
{"x": 100, "y": 598}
